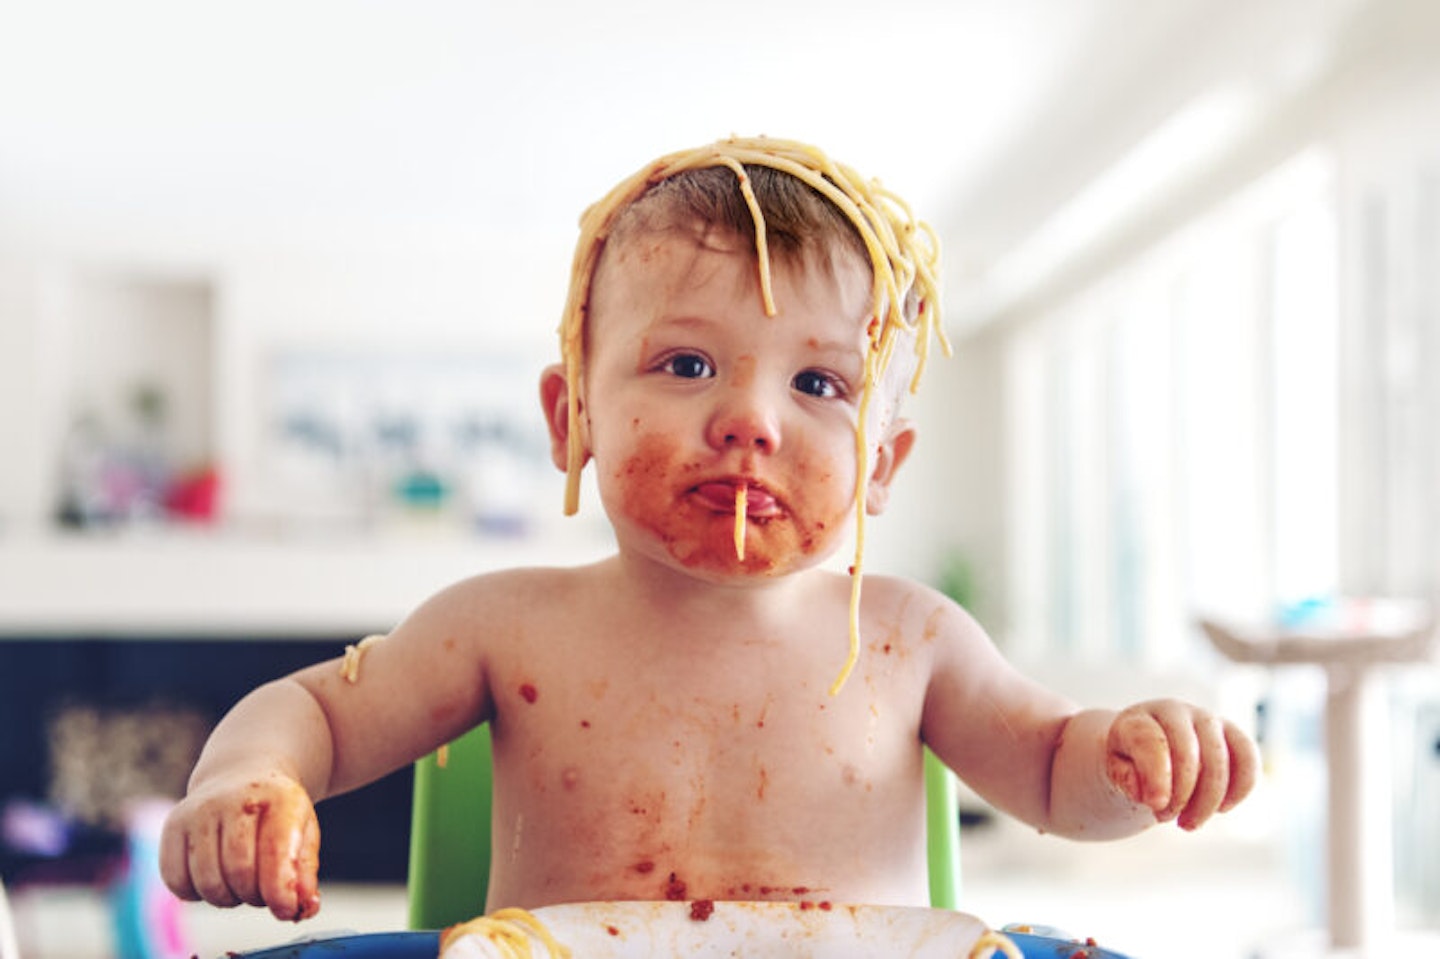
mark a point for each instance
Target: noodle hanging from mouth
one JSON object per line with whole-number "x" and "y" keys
{"x": 904, "y": 261}
{"x": 740, "y": 517}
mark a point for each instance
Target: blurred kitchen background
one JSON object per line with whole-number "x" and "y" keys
{"x": 277, "y": 280}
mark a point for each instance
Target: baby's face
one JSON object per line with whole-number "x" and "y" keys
{"x": 692, "y": 391}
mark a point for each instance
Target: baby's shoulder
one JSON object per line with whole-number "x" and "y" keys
{"x": 503, "y": 601}
{"x": 527, "y": 578}
{"x": 891, "y": 595}
{"x": 919, "y": 610}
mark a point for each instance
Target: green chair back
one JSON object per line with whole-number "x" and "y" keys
{"x": 450, "y": 834}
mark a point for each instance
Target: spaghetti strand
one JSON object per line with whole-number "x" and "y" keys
{"x": 740, "y": 517}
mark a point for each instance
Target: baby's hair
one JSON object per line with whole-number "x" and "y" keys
{"x": 797, "y": 218}
{"x": 814, "y": 203}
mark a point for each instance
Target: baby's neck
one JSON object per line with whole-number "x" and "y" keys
{"x": 680, "y": 597}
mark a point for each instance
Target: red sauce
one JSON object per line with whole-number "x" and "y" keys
{"x": 674, "y": 888}
{"x": 644, "y": 867}
{"x": 697, "y": 537}
{"x": 529, "y": 693}
{"x": 612, "y": 930}
{"x": 826, "y": 905}
{"x": 701, "y": 909}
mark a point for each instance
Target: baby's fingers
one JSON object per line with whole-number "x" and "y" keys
{"x": 204, "y": 862}
{"x": 1213, "y": 780}
{"x": 1180, "y": 761}
{"x": 238, "y": 835}
{"x": 289, "y": 861}
{"x": 1138, "y": 759}
{"x": 1244, "y": 766}
{"x": 175, "y": 860}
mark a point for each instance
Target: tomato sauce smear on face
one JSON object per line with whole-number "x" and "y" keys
{"x": 659, "y": 496}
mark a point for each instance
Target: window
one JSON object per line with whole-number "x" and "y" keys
{"x": 1173, "y": 433}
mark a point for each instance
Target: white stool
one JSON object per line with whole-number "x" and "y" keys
{"x": 1351, "y": 644}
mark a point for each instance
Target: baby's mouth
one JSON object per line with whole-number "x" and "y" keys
{"x": 719, "y": 496}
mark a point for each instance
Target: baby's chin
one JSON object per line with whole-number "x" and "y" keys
{"x": 708, "y": 549}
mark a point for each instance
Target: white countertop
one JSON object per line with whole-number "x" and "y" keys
{"x": 166, "y": 583}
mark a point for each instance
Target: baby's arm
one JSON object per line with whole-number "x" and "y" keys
{"x": 1085, "y": 774}
{"x": 1158, "y": 761}
{"x": 246, "y": 830}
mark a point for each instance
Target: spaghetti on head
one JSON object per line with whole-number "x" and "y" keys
{"x": 790, "y": 198}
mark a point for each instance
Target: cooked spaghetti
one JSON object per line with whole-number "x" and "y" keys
{"x": 510, "y": 930}
{"x": 740, "y": 509}
{"x": 991, "y": 942}
{"x": 904, "y": 264}
{"x": 350, "y": 665}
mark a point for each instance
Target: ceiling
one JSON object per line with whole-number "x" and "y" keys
{"x": 278, "y": 116}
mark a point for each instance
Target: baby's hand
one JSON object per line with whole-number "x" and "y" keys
{"x": 245, "y": 839}
{"x": 1182, "y": 762}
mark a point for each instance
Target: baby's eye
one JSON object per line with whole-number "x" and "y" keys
{"x": 689, "y": 366}
{"x": 816, "y": 383}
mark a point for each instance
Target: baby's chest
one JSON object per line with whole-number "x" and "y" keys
{"x": 655, "y": 754}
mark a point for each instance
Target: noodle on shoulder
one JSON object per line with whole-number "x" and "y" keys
{"x": 350, "y": 664}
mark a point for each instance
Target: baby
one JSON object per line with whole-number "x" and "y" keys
{"x": 743, "y": 322}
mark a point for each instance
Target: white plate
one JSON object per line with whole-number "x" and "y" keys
{"x": 650, "y": 930}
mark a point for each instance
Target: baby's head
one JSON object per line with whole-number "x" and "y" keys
{"x": 787, "y": 203}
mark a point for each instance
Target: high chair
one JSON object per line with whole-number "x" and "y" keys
{"x": 450, "y": 834}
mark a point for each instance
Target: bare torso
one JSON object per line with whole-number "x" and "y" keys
{"x": 651, "y": 743}
{"x": 647, "y": 757}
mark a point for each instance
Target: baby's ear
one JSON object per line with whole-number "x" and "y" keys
{"x": 893, "y": 451}
{"x": 555, "y": 401}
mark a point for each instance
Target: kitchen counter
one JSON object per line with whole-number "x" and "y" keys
{"x": 215, "y": 583}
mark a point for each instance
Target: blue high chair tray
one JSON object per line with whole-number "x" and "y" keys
{"x": 1035, "y": 946}
{"x": 373, "y": 945}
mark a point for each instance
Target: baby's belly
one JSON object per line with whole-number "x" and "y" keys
{"x": 733, "y": 837}
{"x": 708, "y": 875}
{"x": 748, "y": 795}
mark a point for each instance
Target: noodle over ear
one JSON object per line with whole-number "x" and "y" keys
{"x": 904, "y": 262}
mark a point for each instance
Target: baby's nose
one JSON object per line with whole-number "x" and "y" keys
{"x": 743, "y": 421}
